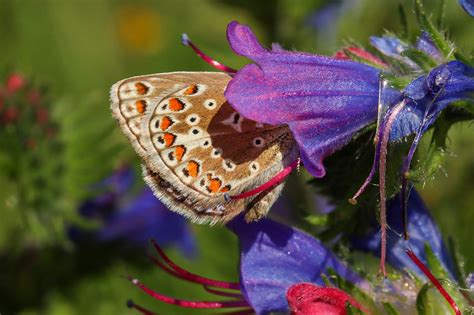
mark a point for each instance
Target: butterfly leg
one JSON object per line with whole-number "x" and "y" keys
{"x": 260, "y": 205}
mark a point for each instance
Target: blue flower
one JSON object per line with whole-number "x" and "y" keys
{"x": 392, "y": 46}
{"x": 136, "y": 221}
{"x": 422, "y": 229}
{"x": 468, "y": 6}
{"x": 428, "y": 95}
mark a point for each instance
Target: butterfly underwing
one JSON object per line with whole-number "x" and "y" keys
{"x": 197, "y": 151}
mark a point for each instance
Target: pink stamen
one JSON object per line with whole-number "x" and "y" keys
{"x": 206, "y": 287}
{"x": 277, "y": 179}
{"x": 139, "y": 308}
{"x": 241, "y": 312}
{"x": 167, "y": 269}
{"x": 433, "y": 280}
{"x": 223, "y": 293}
{"x": 187, "y": 42}
{"x": 382, "y": 169}
{"x": 184, "y": 274}
{"x": 189, "y": 304}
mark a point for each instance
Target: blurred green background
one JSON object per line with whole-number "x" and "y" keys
{"x": 74, "y": 51}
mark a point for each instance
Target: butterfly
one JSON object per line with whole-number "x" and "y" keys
{"x": 197, "y": 151}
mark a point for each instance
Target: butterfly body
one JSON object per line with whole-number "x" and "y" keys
{"x": 197, "y": 150}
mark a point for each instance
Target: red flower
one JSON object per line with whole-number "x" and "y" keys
{"x": 310, "y": 299}
{"x": 10, "y": 115}
{"x": 15, "y": 82}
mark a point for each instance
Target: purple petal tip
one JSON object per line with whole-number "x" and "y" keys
{"x": 185, "y": 39}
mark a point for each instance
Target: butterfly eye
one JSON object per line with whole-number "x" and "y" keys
{"x": 210, "y": 104}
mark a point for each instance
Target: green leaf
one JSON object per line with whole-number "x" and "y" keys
{"x": 420, "y": 58}
{"x": 458, "y": 262}
{"x": 430, "y": 301}
{"x": 434, "y": 264}
{"x": 390, "y": 309}
{"x": 403, "y": 20}
{"x": 438, "y": 38}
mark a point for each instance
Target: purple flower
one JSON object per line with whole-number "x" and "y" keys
{"x": 468, "y": 6}
{"x": 275, "y": 256}
{"x": 136, "y": 221}
{"x": 422, "y": 230}
{"x": 324, "y": 101}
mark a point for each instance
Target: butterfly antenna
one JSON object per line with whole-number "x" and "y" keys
{"x": 216, "y": 64}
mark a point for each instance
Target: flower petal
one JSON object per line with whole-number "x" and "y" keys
{"x": 324, "y": 101}
{"x": 275, "y": 257}
{"x": 309, "y": 299}
{"x": 468, "y": 6}
{"x": 393, "y": 47}
{"x": 425, "y": 44}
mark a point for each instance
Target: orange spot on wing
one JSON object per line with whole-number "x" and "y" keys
{"x": 142, "y": 89}
{"x": 166, "y": 122}
{"x": 141, "y": 106}
{"x": 192, "y": 89}
{"x": 175, "y": 104}
{"x": 169, "y": 139}
{"x": 225, "y": 189}
{"x": 179, "y": 152}
{"x": 193, "y": 168}
{"x": 214, "y": 185}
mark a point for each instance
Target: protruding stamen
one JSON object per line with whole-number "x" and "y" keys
{"x": 382, "y": 169}
{"x": 223, "y": 293}
{"x": 139, "y": 308}
{"x": 189, "y": 304}
{"x": 184, "y": 274}
{"x": 433, "y": 280}
{"x": 276, "y": 180}
{"x": 376, "y": 160}
{"x": 187, "y": 42}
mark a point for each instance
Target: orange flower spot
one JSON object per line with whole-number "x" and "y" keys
{"x": 169, "y": 139}
{"x": 166, "y": 122}
{"x": 193, "y": 168}
{"x": 179, "y": 152}
{"x": 141, "y": 106}
{"x": 175, "y": 104}
{"x": 214, "y": 185}
{"x": 142, "y": 89}
{"x": 192, "y": 89}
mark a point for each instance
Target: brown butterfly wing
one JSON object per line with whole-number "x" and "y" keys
{"x": 196, "y": 147}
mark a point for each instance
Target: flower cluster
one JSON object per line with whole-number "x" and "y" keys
{"x": 29, "y": 141}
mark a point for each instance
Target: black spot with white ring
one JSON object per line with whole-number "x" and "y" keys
{"x": 210, "y": 104}
{"x": 258, "y": 142}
